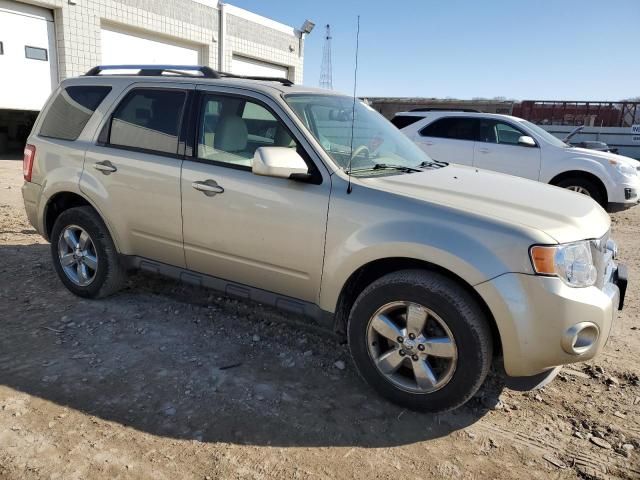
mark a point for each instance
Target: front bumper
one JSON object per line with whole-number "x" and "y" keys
{"x": 544, "y": 323}
{"x": 625, "y": 193}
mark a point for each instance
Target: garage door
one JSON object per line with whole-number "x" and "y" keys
{"x": 249, "y": 66}
{"x": 125, "y": 47}
{"x": 27, "y": 56}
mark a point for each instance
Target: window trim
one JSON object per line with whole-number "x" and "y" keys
{"x": 197, "y": 118}
{"x": 104, "y": 136}
{"x": 445, "y": 117}
{"x": 46, "y": 53}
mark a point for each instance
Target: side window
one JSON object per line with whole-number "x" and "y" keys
{"x": 401, "y": 121}
{"x": 507, "y": 134}
{"x": 148, "y": 119}
{"x": 232, "y": 129}
{"x": 488, "y": 131}
{"x": 71, "y": 110}
{"x": 456, "y": 128}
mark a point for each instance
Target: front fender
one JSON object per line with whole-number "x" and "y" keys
{"x": 470, "y": 247}
{"x": 579, "y": 163}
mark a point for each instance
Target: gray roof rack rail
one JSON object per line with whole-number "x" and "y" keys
{"x": 284, "y": 81}
{"x": 156, "y": 70}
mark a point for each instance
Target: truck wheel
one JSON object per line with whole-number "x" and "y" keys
{"x": 84, "y": 255}
{"x": 584, "y": 186}
{"x": 420, "y": 340}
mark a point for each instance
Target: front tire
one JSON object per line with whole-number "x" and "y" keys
{"x": 84, "y": 255}
{"x": 420, "y": 340}
{"x": 584, "y": 186}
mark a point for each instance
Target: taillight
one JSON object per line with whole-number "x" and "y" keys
{"x": 27, "y": 161}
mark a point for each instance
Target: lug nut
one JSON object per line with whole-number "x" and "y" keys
{"x": 421, "y": 347}
{"x": 400, "y": 339}
{"x": 401, "y": 352}
{"x": 412, "y": 336}
{"x": 414, "y": 358}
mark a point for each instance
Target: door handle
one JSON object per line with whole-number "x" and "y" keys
{"x": 105, "y": 167}
{"x": 484, "y": 150}
{"x": 428, "y": 143}
{"x": 208, "y": 187}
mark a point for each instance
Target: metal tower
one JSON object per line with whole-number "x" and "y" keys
{"x": 326, "y": 77}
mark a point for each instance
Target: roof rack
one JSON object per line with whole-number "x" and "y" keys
{"x": 184, "y": 70}
{"x": 444, "y": 109}
{"x": 284, "y": 81}
{"x": 156, "y": 70}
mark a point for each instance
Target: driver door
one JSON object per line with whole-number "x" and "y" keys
{"x": 254, "y": 230}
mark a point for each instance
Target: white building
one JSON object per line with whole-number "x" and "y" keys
{"x": 45, "y": 41}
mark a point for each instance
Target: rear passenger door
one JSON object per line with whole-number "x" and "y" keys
{"x": 449, "y": 139}
{"x": 253, "y": 230}
{"x": 498, "y": 149}
{"x": 132, "y": 172}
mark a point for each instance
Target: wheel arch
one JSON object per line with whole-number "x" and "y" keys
{"x": 64, "y": 200}
{"x": 373, "y": 270}
{"x": 582, "y": 174}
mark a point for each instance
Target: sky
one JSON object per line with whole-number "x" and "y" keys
{"x": 535, "y": 49}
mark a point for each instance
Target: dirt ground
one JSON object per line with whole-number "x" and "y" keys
{"x": 167, "y": 381}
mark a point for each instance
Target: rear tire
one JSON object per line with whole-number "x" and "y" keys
{"x": 584, "y": 185}
{"x": 454, "y": 332}
{"x": 84, "y": 254}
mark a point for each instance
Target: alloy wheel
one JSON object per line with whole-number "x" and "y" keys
{"x": 579, "y": 189}
{"x": 77, "y": 255}
{"x": 412, "y": 347}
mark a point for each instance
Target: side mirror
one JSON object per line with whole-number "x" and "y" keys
{"x": 280, "y": 162}
{"x": 526, "y": 141}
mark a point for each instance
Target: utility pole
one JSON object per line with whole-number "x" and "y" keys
{"x": 326, "y": 77}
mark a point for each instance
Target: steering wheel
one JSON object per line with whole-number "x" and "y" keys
{"x": 359, "y": 151}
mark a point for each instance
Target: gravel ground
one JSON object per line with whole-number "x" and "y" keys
{"x": 169, "y": 381}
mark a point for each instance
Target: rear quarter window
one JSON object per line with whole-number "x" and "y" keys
{"x": 71, "y": 110}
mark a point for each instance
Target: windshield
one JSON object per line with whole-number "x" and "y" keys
{"x": 546, "y": 136}
{"x": 376, "y": 141}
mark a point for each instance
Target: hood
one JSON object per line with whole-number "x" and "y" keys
{"x": 564, "y": 215}
{"x": 603, "y": 156}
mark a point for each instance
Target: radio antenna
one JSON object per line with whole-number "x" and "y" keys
{"x": 353, "y": 107}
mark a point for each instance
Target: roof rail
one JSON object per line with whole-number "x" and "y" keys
{"x": 444, "y": 109}
{"x": 156, "y": 70}
{"x": 282, "y": 80}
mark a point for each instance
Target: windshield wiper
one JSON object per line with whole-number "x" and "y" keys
{"x": 388, "y": 166}
{"x": 433, "y": 163}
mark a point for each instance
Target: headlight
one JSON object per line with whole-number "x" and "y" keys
{"x": 626, "y": 170}
{"x": 572, "y": 262}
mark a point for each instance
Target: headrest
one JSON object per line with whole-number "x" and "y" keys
{"x": 231, "y": 134}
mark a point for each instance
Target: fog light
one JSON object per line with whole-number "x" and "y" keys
{"x": 630, "y": 193}
{"x": 579, "y": 338}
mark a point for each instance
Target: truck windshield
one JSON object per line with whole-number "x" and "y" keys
{"x": 376, "y": 142}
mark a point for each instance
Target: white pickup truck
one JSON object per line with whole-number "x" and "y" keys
{"x": 515, "y": 146}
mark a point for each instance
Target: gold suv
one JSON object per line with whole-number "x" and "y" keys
{"x": 310, "y": 201}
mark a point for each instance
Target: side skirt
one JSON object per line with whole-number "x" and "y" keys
{"x": 295, "y": 306}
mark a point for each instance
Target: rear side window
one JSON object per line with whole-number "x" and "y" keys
{"x": 402, "y": 121}
{"x": 71, "y": 110}
{"x": 148, "y": 119}
{"x": 456, "y": 128}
